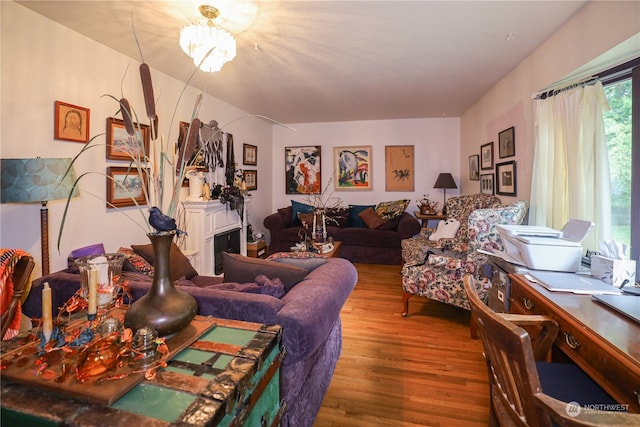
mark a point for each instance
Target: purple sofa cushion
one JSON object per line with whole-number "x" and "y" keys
{"x": 242, "y": 269}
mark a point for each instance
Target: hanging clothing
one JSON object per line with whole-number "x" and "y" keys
{"x": 230, "y": 170}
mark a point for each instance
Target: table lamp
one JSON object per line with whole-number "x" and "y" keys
{"x": 37, "y": 180}
{"x": 444, "y": 181}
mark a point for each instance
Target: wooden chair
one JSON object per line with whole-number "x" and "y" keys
{"x": 21, "y": 287}
{"x": 518, "y": 374}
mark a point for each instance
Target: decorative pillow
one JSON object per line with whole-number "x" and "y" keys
{"x": 297, "y": 208}
{"x": 135, "y": 262}
{"x": 371, "y": 218}
{"x": 96, "y": 249}
{"x": 180, "y": 265}
{"x": 241, "y": 269}
{"x": 338, "y": 217}
{"x": 446, "y": 230}
{"x": 354, "y": 219}
{"x": 306, "y": 260}
{"x": 391, "y": 210}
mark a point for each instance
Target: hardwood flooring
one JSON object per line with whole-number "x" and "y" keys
{"x": 422, "y": 370}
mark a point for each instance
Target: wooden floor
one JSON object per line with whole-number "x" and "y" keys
{"x": 422, "y": 370}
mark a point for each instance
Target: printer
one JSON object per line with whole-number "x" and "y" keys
{"x": 544, "y": 248}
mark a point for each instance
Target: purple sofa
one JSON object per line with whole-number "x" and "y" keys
{"x": 309, "y": 312}
{"x": 360, "y": 244}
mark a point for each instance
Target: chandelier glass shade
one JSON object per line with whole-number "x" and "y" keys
{"x": 209, "y": 46}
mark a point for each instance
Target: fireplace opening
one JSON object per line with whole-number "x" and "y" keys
{"x": 229, "y": 241}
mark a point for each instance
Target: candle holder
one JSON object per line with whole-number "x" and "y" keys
{"x": 109, "y": 268}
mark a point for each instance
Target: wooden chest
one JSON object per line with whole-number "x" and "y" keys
{"x": 229, "y": 376}
{"x": 257, "y": 249}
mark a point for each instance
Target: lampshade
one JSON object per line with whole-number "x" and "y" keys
{"x": 445, "y": 180}
{"x": 35, "y": 180}
{"x": 198, "y": 40}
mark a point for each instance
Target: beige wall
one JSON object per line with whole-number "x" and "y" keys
{"x": 596, "y": 29}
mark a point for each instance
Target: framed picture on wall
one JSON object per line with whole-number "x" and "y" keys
{"x": 474, "y": 171}
{"x": 251, "y": 179}
{"x": 399, "y": 168}
{"x": 122, "y": 146}
{"x": 249, "y": 155}
{"x": 124, "y": 185}
{"x": 486, "y": 183}
{"x": 507, "y": 143}
{"x": 486, "y": 156}
{"x": 506, "y": 178}
{"x": 71, "y": 123}
{"x": 352, "y": 167}
{"x": 302, "y": 169}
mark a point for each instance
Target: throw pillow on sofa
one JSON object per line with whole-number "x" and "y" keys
{"x": 179, "y": 264}
{"x": 370, "y": 217}
{"x": 297, "y": 208}
{"x": 354, "y": 219}
{"x": 393, "y": 209}
{"x": 242, "y": 269}
{"x": 135, "y": 262}
{"x": 263, "y": 285}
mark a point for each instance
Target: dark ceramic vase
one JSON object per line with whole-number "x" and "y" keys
{"x": 164, "y": 308}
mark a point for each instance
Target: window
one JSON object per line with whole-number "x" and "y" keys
{"x": 622, "y": 127}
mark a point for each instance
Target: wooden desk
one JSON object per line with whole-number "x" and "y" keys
{"x": 425, "y": 218}
{"x": 604, "y": 343}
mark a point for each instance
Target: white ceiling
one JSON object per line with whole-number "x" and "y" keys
{"x": 317, "y": 61}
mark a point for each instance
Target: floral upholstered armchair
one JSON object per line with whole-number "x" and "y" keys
{"x": 434, "y": 269}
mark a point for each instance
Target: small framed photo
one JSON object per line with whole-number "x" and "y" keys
{"x": 506, "y": 178}
{"x": 71, "y": 122}
{"x": 122, "y": 146}
{"x": 249, "y": 155}
{"x": 486, "y": 183}
{"x": 507, "y": 143}
{"x": 486, "y": 156}
{"x": 124, "y": 185}
{"x": 474, "y": 171}
{"x": 353, "y": 167}
{"x": 251, "y": 179}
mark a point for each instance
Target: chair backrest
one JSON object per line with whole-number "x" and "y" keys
{"x": 482, "y": 224}
{"x": 460, "y": 208}
{"x": 513, "y": 378}
{"x": 21, "y": 277}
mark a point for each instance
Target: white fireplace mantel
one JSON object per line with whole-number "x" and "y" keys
{"x": 205, "y": 220}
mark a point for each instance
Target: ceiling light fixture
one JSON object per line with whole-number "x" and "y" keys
{"x": 209, "y": 46}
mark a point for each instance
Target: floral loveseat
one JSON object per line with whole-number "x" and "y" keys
{"x": 435, "y": 269}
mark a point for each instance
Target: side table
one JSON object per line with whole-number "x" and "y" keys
{"x": 425, "y": 218}
{"x": 257, "y": 249}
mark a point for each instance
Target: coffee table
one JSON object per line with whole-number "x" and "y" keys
{"x": 335, "y": 252}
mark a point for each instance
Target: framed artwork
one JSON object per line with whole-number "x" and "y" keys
{"x": 399, "y": 168}
{"x": 71, "y": 123}
{"x": 507, "y": 143}
{"x": 506, "y": 178}
{"x": 250, "y": 179}
{"x": 302, "y": 169}
{"x": 124, "y": 185}
{"x": 474, "y": 171}
{"x": 486, "y": 156}
{"x": 352, "y": 167}
{"x": 249, "y": 155}
{"x": 486, "y": 183}
{"x": 122, "y": 146}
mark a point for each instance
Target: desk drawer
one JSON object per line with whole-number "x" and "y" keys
{"x": 524, "y": 301}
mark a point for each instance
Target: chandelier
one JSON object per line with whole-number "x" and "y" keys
{"x": 209, "y": 46}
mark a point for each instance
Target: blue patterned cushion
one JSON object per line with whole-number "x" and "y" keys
{"x": 297, "y": 208}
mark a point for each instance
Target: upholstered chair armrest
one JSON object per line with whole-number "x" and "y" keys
{"x": 542, "y": 330}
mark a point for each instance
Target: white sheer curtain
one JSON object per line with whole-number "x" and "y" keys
{"x": 570, "y": 176}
